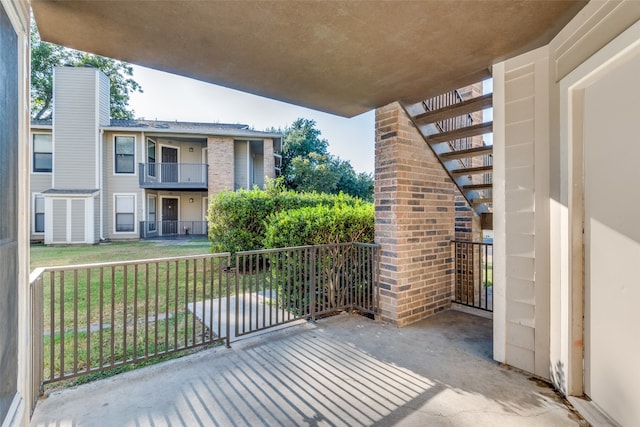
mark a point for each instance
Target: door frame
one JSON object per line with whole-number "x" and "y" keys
{"x": 162, "y": 210}
{"x": 175, "y": 147}
{"x": 572, "y": 88}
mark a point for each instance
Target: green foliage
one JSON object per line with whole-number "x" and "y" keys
{"x": 307, "y": 166}
{"x": 46, "y": 56}
{"x": 238, "y": 220}
{"x": 322, "y": 224}
{"x": 335, "y": 267}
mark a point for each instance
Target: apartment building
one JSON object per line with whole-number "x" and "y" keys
{"x": 95, "y": 179}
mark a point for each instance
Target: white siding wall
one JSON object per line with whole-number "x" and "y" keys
{"x": 120, "y": 183}
{"x": 75, "y": 124}
{"x": 521, "y": 232}
{"x": 103, "y": 100}
{"x": 550, "y": 105}
{"x": 58, "y": 222}
{"x": 78, "y": 220}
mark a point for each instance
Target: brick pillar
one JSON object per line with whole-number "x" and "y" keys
{"x": 414, "y": 221}
{"x": 221, "y": 163}
{"x": 269, "y": 161}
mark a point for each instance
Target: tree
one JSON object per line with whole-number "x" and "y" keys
{"x": 45, "y": 56}
{"x": 308, "y": 166}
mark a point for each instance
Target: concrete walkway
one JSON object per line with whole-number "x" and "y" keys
{"x": 343, "y": 371}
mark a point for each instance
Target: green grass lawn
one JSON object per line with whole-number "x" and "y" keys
{"x": 487, "y": 274}
{"x": 47, "y": 256}
{"x": 123, "y": 299}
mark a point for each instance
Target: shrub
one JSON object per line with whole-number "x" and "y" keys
{"x": 335, "y": 267}
{"x": 340, "y": 223}
{"x": 237, "y": 220}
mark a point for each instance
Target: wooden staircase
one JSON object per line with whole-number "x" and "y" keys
{"x": 452, "y": 126}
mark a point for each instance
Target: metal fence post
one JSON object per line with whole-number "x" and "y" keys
{"x": 312, "y": 297}
{"x": 228, "y": 270}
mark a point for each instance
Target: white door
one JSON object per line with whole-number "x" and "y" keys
{"x": 612, "y": 242}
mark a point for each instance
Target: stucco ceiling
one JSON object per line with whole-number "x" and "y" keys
{"x": 343, "y": 57}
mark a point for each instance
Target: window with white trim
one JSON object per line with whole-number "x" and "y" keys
{"x": 151, "y": 157}
{"x": 151, "y": 212}
{"x": 125, "y": 213}
{"x": 124, "y": 154}
{"x": 42, "y": 152}
{"x": 38, "y": 214}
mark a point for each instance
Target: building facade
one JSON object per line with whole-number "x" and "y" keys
{"x": 95, "y": 179}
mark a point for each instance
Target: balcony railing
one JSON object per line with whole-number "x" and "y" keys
{"x": 192, "y": 176}
{"x": 173, "y": 229}
{"x": 94, "y": 317}
{"x": 473, "y": 284}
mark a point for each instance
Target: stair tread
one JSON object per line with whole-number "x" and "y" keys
{"x": 471, "y": 171}
{"x": 481, "y": 201}
{"x": 470, "y": 152}
{"x": 464, "y": 107}
{"x": 466, "y": 132}
{"x": 477, "y": 186}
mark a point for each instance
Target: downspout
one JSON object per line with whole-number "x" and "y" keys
{"x": 101, "y": 181}
{"x": 142, "y": 222}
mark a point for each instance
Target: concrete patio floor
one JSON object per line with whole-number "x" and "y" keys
{"x": 344, "y": 370}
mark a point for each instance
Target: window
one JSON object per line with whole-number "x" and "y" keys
{"x": 38, "y": 214}
{"x": 125, "y": 154}
{"x": 125, "y": 213}
{"x": 42, "y": 153}
{"x": 151, "y": 157}
{"x": 151, "y": 213}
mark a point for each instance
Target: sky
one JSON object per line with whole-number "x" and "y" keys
{"x": 171, "y": 97}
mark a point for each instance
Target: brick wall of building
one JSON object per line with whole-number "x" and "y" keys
{"x": 220, "y": 158}
{"x": 269, "y": 161}
{"x": 414, "y": 202}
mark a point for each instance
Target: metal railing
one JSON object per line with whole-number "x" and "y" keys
{"x": 473, "y": 282}
{"x": 93, "y": 317}
{"x": 173, "y": 229}
{"x": 452, "y": 123}
{"x": 173, "y": 175}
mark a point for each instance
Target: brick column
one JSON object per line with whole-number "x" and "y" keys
{"x": 414, "y": 221}
{"x": 269, "y": 161}
{"x": 221, "y": 164}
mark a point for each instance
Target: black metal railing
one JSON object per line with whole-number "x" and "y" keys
{"x": 95, "y": 317}
{"x": 173, "y": 175}
{"x": 473, "y": 282}
{"x": 452, "y": 123}
{"x": 173, "y": 229}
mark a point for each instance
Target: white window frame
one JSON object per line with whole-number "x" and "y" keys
{"x": 135, "y": 154}
{"x": 135, "y": 213}
{"x": 35, "y": 196}
{"x": 155, "y": 203}
{"x": 146, "y": 157}
{"x": 31, "y": 159}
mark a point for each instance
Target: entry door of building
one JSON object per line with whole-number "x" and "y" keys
{"x": 169, "y": 164}
{"x": 169, "y": 216}
{"x": 612, "y": 242}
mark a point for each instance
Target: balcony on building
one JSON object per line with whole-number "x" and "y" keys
{"x": 174, "y": 176}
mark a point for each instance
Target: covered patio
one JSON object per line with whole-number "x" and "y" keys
{"x": 343, "y": 370}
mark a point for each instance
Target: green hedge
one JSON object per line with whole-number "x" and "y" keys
{"x": 238, "y": 220}
{"x": 318, "y": 225}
